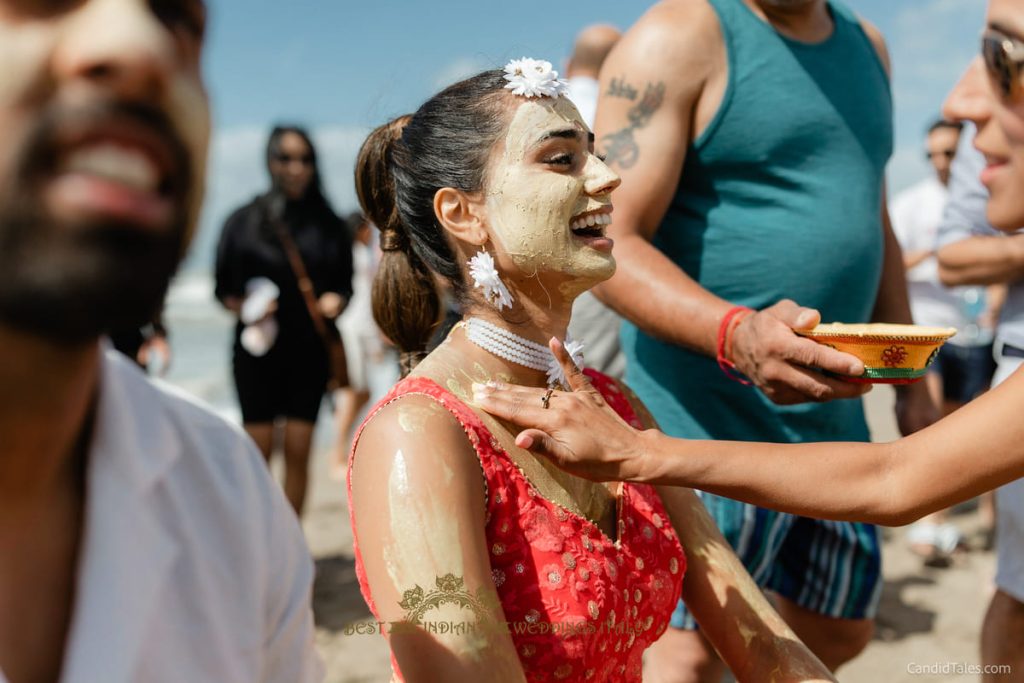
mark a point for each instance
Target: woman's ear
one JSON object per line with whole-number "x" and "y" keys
{"x": 461, "y": 215}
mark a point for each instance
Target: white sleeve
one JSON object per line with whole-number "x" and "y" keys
{"x": 289, "y": 654}
{"x": 902, "y": 215}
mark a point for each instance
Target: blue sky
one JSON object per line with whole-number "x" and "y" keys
{"x": 342, "y": 67}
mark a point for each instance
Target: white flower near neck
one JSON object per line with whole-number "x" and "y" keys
{"x": 556, "y": 376}
{"x": 485, "y": 276}
{"x": 534, "y": 78}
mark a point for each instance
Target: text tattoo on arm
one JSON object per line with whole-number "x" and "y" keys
{"x": 620, "y": 148}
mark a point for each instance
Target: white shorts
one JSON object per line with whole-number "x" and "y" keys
{"x": 1009, "y": 511}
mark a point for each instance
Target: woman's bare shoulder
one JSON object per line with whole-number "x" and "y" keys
{"x": 416, "y": 433}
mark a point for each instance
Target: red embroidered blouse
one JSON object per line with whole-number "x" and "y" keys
{"x": 595, "y": 603}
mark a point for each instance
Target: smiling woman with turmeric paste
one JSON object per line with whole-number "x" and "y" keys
{"x": 494, "y": 182}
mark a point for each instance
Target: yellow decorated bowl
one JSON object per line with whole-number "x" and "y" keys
{"x": 892, "y": 354}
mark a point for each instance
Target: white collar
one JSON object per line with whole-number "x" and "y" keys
{"x": 127, "y": 551}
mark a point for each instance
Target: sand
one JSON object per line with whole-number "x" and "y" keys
{"x": 927, "y": 616}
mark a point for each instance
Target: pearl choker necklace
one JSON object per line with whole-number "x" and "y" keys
{"x": 521, "y": 351}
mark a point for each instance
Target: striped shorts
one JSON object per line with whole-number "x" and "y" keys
{"x": 832, "y": 568}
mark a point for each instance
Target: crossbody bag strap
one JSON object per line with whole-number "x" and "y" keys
{"x": 302, "y": 278}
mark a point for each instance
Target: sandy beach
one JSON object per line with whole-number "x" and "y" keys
{"x": 929, "y": 618}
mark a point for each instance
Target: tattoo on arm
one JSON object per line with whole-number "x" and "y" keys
{"x": 620, "y": 88}
{"x": 620, "y": 148}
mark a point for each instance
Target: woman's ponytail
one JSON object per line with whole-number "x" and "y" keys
{"x": 406, "y": 304}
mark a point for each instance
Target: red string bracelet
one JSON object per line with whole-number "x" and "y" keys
{"x": 724, "y": 348}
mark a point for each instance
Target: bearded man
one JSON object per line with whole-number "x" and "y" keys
{"x": 141, "y": 537}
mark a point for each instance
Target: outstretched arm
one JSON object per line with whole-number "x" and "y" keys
{"x": 418, "y": 507}
{"x": 976, "y": 449}
{"x": 749, "y": 635}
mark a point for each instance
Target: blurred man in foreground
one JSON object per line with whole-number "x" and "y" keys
{"x": 141, "y": 537}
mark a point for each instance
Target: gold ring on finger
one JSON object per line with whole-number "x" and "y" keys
{"x": 546, "y": 398}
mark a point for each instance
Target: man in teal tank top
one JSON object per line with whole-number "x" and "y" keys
{"x": 752, "y": 138}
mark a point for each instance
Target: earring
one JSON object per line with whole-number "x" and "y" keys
{"x": 485, "y": 276}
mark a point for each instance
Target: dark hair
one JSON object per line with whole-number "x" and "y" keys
{"x": 315, "y": 192}
{"x": 958, "y": 126}
{"x": 401, "y": 166}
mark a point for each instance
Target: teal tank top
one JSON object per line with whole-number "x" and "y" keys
{"x": 780, "y": 197}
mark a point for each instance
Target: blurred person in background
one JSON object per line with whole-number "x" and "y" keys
{"x": 591, "y": 319}
{"x": 281, "y": 359}
{"x": 141, "y": 537}
{"x": 964, "y": 366}
{"x": 142, "y": 344}
{"x": 370, "y": 356}
{"x": 584, "y": 66}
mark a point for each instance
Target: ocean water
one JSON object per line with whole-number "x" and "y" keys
{"x": 201, "y": 333}
{"x": 201, "y": 336}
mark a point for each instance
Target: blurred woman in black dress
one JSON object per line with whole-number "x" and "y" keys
{"x": 280, "y": 359}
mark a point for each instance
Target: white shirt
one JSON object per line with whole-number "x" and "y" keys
{"x": 583, "y": 91}
{"x": 916, "y": 216}
{"x": 193, "y": 567}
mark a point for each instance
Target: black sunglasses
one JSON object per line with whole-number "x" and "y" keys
{"x": 948, "y": 153}
{"x": 1004, "y": 59}
{"x": 303, "y": 159}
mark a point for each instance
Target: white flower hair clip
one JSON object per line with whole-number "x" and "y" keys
{"x": 485, "y": 276}
{"x": 534, "y": 78}
{"x": 556, "y": 375}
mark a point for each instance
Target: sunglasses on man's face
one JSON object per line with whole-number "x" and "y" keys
{"x": 948, "y": 153}
{"x": 1004, "y": 60}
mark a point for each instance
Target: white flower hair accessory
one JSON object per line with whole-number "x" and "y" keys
{"x": 556, "y": 375}
{"x": 485, "y": 276}
{"x": 534, "y": 78}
